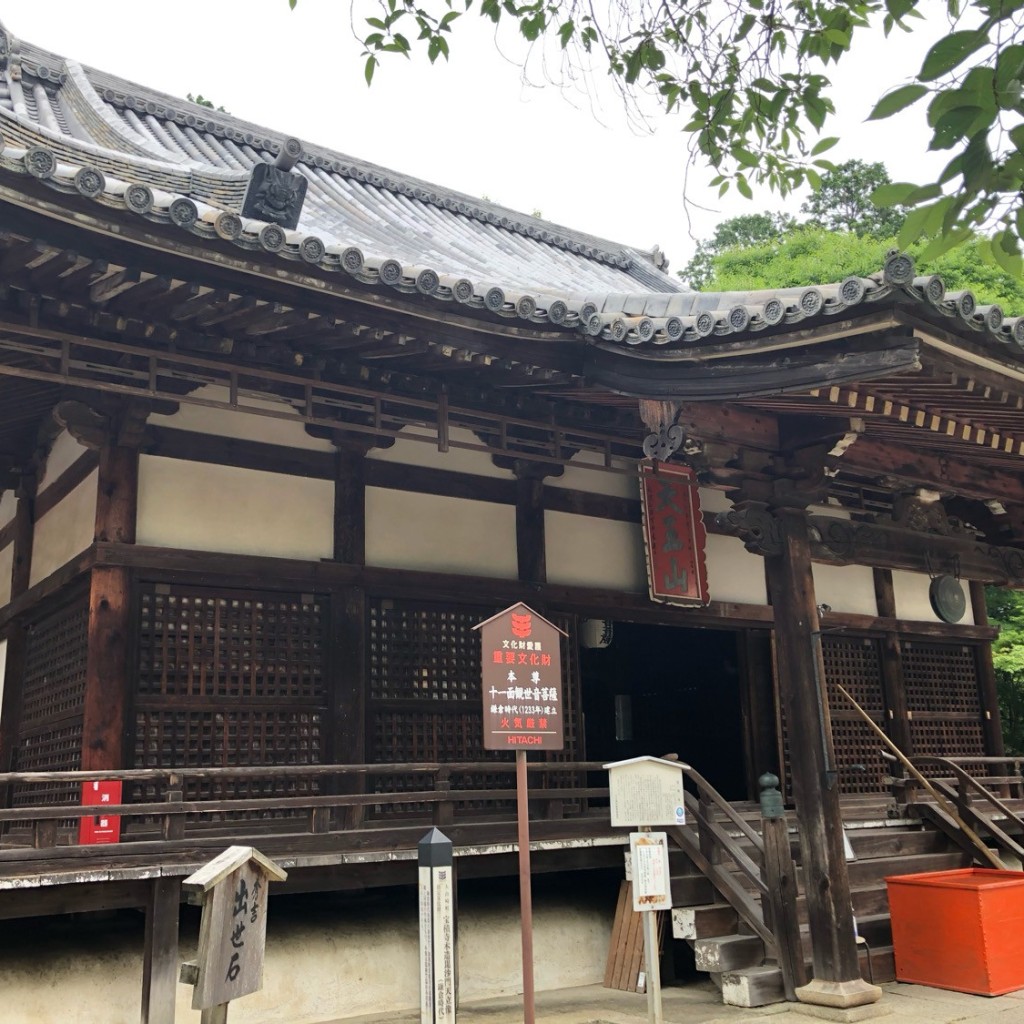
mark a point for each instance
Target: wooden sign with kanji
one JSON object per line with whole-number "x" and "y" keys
{"x": 233, "y": 930}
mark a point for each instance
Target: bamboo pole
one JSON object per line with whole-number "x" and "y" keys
{"x": 946, "y": 806}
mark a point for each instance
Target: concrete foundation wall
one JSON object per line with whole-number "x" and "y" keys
{"x": 324, "y": 960}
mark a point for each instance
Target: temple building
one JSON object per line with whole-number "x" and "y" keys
{"x": 279, "y": 428}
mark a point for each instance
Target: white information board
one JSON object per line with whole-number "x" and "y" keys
{"x": 652, "y": 886}
{"x": 646, "y": 791}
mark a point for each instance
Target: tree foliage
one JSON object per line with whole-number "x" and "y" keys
{"x": 741, "y": 232}
{"x": 751, "y": 80}
{"x": 843, "y": 201}
{"x": 1006, "y": 610}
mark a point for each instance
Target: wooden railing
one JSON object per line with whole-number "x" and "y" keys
{"x": 760, "y": 885}
{"x": 176, "y": 804}
{"x": 979, "y": 800}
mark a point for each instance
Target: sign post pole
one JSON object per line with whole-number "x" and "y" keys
{"x": 525, "y": 886}
{"x": 437, "y": 932}
{"x": 651, "y": 960}
{"x": 521, "y": 684}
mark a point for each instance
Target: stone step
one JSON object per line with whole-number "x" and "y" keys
{"x": 723, "y": 953}
{"x": 753, "y": 986}
{"x": 693, "y": 923}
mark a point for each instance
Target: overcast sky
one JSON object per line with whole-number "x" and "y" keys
{"x": 471, "y": 125}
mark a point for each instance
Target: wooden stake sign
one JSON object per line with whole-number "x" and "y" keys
{"x": 233, "y": 931}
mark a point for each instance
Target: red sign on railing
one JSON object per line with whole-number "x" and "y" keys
{"x": 673, "y": 535}
{"x": 100, "y": 828}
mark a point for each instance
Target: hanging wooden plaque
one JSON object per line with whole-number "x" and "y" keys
{"x": 674, "y": 536}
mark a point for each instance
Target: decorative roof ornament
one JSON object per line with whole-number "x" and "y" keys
{"x": 274, "y": 193}
{"x": 5, "y": 46}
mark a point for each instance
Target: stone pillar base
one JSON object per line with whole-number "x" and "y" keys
{"x": 840, "y": 995}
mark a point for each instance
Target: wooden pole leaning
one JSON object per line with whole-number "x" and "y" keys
{"x": 946, "y": 806}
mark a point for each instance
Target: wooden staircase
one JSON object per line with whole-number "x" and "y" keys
{"x": 739, "y": 960}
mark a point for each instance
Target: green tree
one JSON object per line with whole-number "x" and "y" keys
{"x": 1006, "y": 610}
{"x": 736, "y": 232}
{"x": 843, "y": 201}
{"x": 751, "y": 79}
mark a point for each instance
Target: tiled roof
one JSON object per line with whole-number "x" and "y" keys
{"x": 170, "y": 161}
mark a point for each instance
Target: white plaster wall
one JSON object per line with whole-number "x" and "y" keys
{"x": 6, "y": 566}
{"x": 64, "y": 452}
{"x": 845, "y": 588}
{"x": 425, "y": 453}
{"x": 578, "y": 477}
{"x": 912, "y": 602}
{"x": 331, "y": 963}
{"x": 8, "y": 507}
{"x": 247, "y": 426}
{"x": 236, "y": 511}
{"x": 428, "y": 532}
{"x": 587, "y": 552}
{"x": 734, "y": 574}
{"x": 713, "y": 501}
{"x": 65, "y": 531}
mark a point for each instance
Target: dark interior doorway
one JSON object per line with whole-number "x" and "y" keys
{"x": 662, "y": 689}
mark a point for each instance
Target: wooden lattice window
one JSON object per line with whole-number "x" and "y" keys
{"x": 944, "y": 701}
{"x": 53, "y": 698}
{"x": 854, "y": 663}
{"x": 424, "y": 694}
{"x": 229, "y": 678}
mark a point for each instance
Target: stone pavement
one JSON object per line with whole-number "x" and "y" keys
{"x": 700, "y": 1003}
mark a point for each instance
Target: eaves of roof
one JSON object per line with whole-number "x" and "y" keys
{"x": 140, "y": 154}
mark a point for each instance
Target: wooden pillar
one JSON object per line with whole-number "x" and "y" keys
{"x": 757, "y": 705}
{"x": 894, "y": 690}
{"x": 17, "y": 638}
{"x": 530, "y": 543}
{"x": 346, "y": 740}
{"x": 836, "y": 980}
{"x": 107, "y": 676}
{"x": 160, "y": 957}
{"x": 350, "y": 504}
{"x": 987, "y": 690}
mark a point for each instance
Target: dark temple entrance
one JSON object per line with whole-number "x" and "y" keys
{"x": 662, "y": 689}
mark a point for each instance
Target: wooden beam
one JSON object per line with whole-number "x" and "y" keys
{"x": 106, "y": 670}
{"x": 54, "y": 493}
{"x": 894, "y": 691}
{"x": 937, "y": 472}
{"x": 107, "y": 676}
{"x": 160, "y": 960}
{"x": 17, "y": 638}
{"x": 730, "y": 424}
{"x": 350, "y": 505}
{"x": 987, "y": 690}
{"x": 346, "y": 742}
{"x": 814, "y": 777}
{"x": 530, "y": 542}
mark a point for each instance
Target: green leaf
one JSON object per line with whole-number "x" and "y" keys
{"x": 823, "y": 145}
{"x": 743, "y": 188}
{"x": 943, "y": 243}
{"x": 949, "y": 52}
{"x": 1006, "y": 253}
{"x": 369, "y": 68}
{"x": 897, "y": 100}
{"x": 895, "y": 193}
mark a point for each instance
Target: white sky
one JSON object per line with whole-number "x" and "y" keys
{"x": 471, "y": 125}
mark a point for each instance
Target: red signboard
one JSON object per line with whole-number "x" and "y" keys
{"x": 673, "y": 534}
{"x": 100, "y": 828}
{"x": 521, "y": 674}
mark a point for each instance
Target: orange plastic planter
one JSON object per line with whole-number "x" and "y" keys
{"x": 961, "y": 930}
